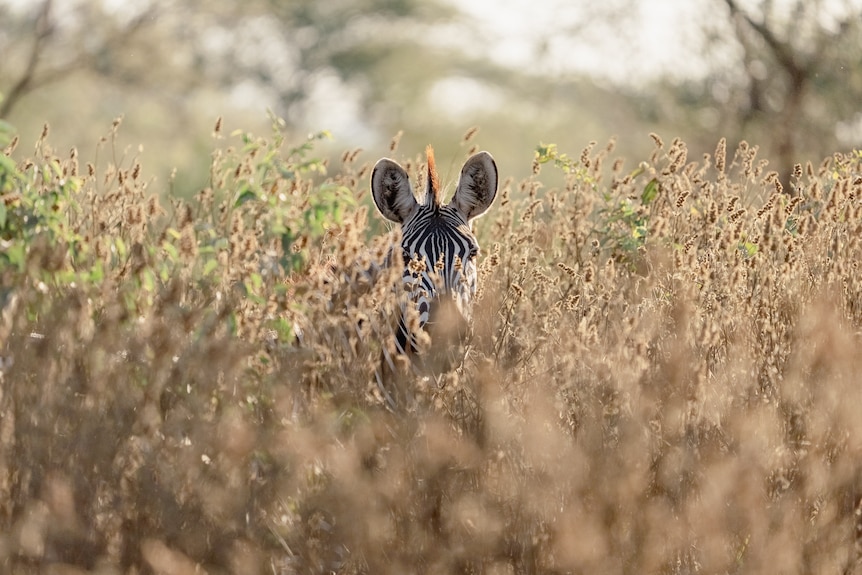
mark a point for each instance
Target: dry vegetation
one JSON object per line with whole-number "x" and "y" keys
{"x": 663, "y": 375}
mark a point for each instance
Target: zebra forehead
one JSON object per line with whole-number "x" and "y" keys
{"x": 439, "y": 241}
{"x": 437, "y": 221}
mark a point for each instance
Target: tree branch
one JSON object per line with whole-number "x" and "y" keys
{"x": 43, "y": 29}
{"x": 781, "y": 50}
{"x": 35, "y": 77}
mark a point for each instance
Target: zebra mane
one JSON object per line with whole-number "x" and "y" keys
{"x": 433, "y": 192}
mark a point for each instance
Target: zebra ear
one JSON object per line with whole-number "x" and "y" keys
{"x": 393, "y": 195}
{"x": 477, "y": 186}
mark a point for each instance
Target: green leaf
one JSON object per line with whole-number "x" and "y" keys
{"x": 57, "y": 168}
{"x": 231, "y": 324}
{"x": 650, "y": 192}
{"x": 210, "y": 266}
{"x": 148, "y": 280}
{"x": 15, "y": 254}
{"x": 9, "y": 173}
{"x": 245, "y": 195}
{"x": 121, "y": 248}
{"x": 171, "y": 250}
{"x": 256, "y": 281}
{"x": 545, "y": 153}
{"x": 97, "y": 273}
{"x": 284, "y": 329}
{"x": 748, "y": 248}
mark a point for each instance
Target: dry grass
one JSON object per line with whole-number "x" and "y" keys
{"x": 663, "y": 375}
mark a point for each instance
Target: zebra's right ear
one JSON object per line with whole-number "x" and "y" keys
{"x": 477, "y": 186}
{"x": 392, "y": 192}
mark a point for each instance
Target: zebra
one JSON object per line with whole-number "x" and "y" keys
{"x": 438, "y": 246}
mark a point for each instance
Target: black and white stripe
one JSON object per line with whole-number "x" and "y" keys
{"x": 439, "y": 249}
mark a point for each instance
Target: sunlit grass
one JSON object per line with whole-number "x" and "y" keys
{"x": 662, "y": 375}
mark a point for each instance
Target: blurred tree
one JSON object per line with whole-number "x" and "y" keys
{"x": 284, "y": 52}
{"x": 785, "y": 74}
{"x": 301, "y": 54}
{"x": 47, "y": 44}
{"x": 803, "y": 71}
{"x": 167, "y": 64}
{"x": 361, "y": 68}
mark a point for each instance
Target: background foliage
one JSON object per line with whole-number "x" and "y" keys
{"x": 784, "y": 74}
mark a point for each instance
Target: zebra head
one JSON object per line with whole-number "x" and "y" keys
{"x": 438, "y": 246}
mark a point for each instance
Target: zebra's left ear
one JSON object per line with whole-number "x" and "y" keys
{"x": 477, "y": 186}
{"x": 391, "y": 190}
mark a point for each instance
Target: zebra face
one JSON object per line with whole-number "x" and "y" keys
{"x": 439, "y": 249}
